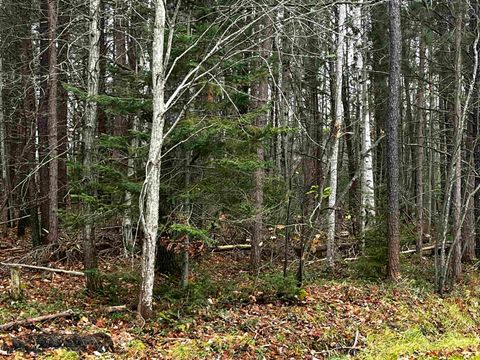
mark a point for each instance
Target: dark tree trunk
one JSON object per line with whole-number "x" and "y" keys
{"x": 42, "y": 122}
{"x": 393, "y": 264}
{"x": 53, "y": 121}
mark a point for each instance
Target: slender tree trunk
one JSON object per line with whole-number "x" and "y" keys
{"x": 90, "y": 256}
{"x": 476, "y": 149}
{"x": 64, "y": 21}
{"x": 336, "y": 133}
{"x": 260, "y": 94}
{"x": 379, "y": 56}
{"x": 367, "y": 195}
{"x": 5, "y": 199}
{"x": 187, "y": 212}
{"x": 42, "y": 122}
{"x": 150, "y": 201}
{"x": 420, "y": 147}
{"x": 52, "y": 121}
{"x": 457, "y": 153}
{"x": 120, "y": 127}
{"x": 393, "y": 264}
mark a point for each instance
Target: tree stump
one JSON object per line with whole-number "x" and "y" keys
{"x": 16, "y": 291}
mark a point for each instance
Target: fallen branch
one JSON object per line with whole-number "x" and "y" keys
{"x": 63, "y": 314}
{"x": 70, "y": 272}
{"x": 232, "y": 247}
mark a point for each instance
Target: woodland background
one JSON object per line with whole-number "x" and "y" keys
{"x": 270, "y": 143}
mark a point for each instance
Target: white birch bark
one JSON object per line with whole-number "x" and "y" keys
{"x": 367, "y": 203}
{"x": 149, "y": 200}
{"x": 89, "y": 132}
{"x": 337, "y": 126}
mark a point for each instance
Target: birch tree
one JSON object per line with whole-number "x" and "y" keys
{"x": 162, "y": 69}
{"x": 367, "y": 210}
{"x": 336, "y": 134}
{"x": 152, "y": 172}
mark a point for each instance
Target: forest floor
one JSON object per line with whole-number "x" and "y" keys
{"x": 226, "y": 314}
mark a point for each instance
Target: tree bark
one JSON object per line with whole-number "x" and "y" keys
{"x": 420, "y": 147}
{"x": 52, "y": 121}
{"x": 90, "y": 256}
{"x": 5, "y": 199}
{"x": 457, "y": 153}
{"x": 150, "y": 199}
{"x": 260, "y": 94}
{"x": 42, "y": 122}
{"x": 367, "y": 195}
{"x": 393, "y": 253}
{"x": 336, "y": 133}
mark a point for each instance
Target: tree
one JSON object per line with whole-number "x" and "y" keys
{"x": 420, "y": 146}
{"x": 457, "y": 150}
{"x": 367, "y": 201}
{"x": 260, "y": 95}
{"x": 393, "y": 217}
{"x": 336, "y": 134}
{"x": 53, "y": 121}
{"x": 90, "y": 258}
{"x": 150, "y": 201}
{"x": 5, "y": 200}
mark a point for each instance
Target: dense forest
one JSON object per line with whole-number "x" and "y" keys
{"x": 239, "y": 179}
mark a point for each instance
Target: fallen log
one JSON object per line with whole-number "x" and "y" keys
{"x": 64, "y": 314}
{"x": 43, "y": 268}
{"x": 100, "y": 342}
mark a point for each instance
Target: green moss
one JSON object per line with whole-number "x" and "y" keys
{"x": 62, "y": 354}
{"x": 391, "y": 344}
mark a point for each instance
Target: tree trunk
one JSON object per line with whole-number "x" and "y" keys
{"x": 336, "y": 133}
{"x": 393, "y": 263}
{"x": 457, "y": 153}
{"x": 42, "y": 122}
{"x": 367, "y": 195}
{"x": 5, "y": 199}
{"x": 379, "y": 56}
{"x": 420, "y": 147}
{"x": 120, "y": 126}
{"x": 90, "y": 256}
{"x": 52, "y": 121}
{"x": 150, "y": 199}
{"x": 260, "y": 93}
